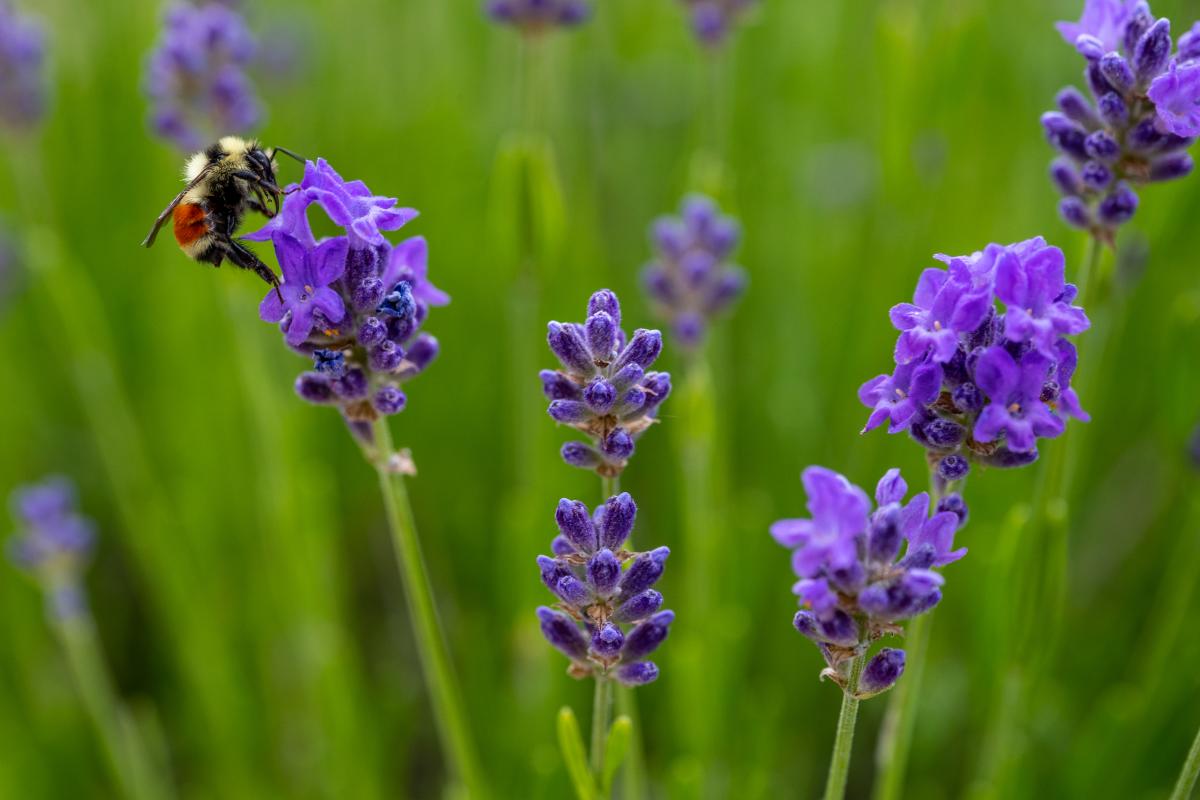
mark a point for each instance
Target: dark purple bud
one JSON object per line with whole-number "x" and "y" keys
{"x": 647, "y": 636}
{"x": 331, "y": 363}
{"x": 568, "y": 346}
{"x": 1113, "y": 109}
{"x": 630, "y": 375}
{"x": 603, "y": 572}
{"x": 645, "y": 570}
{"x": 1065, "y": 178}
{"x": 1064, "y": 134}
{"x": 371, "y": 332}
{"x": 1168, "y": 168}
{"x": 601, "y": 333}
{"x": 605, "y": 301}
{"x": 882, "y": 671}
{"x": 422, "y": 351}
{"x": 689, "y": 329}
{"x": 967, "y": 398}
{"x": 883, "y": 534}
{"x": 639, "y": 673}
{"x": 1008, "y": 459}
{"x": 1076, "y": 107}
{"x": 953, "y": 502}
{"x": 838, "y": 628}
{"x": 619, "y": 515}
{"x": 699, "y": 214}
{"x": 723, "y": 237}
{"x": 618, "y": 445}
{"x": 1119, "y": 207}
{"x": 639, "y": 606}
{"x": 943, "y": 434}
{"x": 361, "y": 263}
{"x": 657, "y": 387}
{"x": 600, "y": 396}
{"x": 1139, "y": 22}
{"x": 1075, "y": 212}
{"x": 1153, "y": 51}
{"x": 399, "y": 302}
{"x": 572, "y": 591}
{"x": 696, "y": 267}
{"x": 1145, "y": 136}
{"x": 642, "y": 349}
{"x": 576, "y": 525}
{"x": 561, "y": 546}
{"x": 1102, "y": 146}
{"x": 631, "y": 403}
{"x": 578, "y": 454}
{"x": 729, "y": 287}
{"x": 806, "y": 623}
{"x": 953, "y": 468}
{"x": 573, "y": 12}
{"x": 553, "y": 570}
{"x": 385, "y": 356}
{"x": 389, "y": 400}
{"x": 669, "y": 237}
{"x": 562, "y": 633}
{"x": 351, "y": 386}
{"x": 1117, "y": 72}
{"x": 367, "y": 294}
{"x": 607, "y": 641}
{"x": 1089, "y": 47}
{"x": 569, "y": 411}
{"x": 1050, "y": 392}
{"x": 557, "y": 386}
{"x": 1097, "y": 82}
{"x": 1096, "y": 176}
{"x": 1171, "y": 143}
{"x": 314, "y": 388}
{"x": 847, "y": 579}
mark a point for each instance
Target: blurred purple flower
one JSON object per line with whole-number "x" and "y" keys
{"x": 54, "y": 542}
{"x": 22, "y": 69}
{"x": 537, "y": 16}
{"x": 714, "y": 20}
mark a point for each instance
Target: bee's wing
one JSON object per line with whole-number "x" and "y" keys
{"x": 158, "y": 223}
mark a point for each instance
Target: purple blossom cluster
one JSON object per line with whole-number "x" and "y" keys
{"x": 854, "y": 583}
{"x": 353, "y": 303}
{"x": 976, "y": 384}
{"x": 714, "y": 20}
{"x": 603, "y": 388}
{"x": 537, "y": 16}
{"x": 54, "y": 542}
{"x": 22, "y": 69}
{"x": 691, "y": 280}
{"x": 1143, "y": 115}
{"x": 196, "y": 76}
{"x": 608, "y": 618}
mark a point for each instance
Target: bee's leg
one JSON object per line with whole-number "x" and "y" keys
{"x": 242, "y": 256}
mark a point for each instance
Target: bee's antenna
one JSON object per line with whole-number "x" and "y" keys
{"x": 287, "y": 152}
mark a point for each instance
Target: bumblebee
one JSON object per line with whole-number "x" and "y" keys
{"x": 224, "y": 181}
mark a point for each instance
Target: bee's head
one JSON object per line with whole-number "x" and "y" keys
{"x": 258, "y": 162}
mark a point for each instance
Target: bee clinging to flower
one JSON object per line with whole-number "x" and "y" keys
{"x": 224, "y": 181}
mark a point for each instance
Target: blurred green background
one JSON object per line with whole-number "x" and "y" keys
{"x": 244, "y": 586}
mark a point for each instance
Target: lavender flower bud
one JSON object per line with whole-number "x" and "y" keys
{"x": 1096, "y": 176}
{"x": 882, "y": 671}
{"x": 1169, "y": 168}
{"x": 943, "y": 434}
{"x": 601, "y": 333}
{"x": 1075, "y": 213}
{"x": 552, "y": 571}
{"x": 603, "y": 572}
{"x": 953, "y": 468}
{"x": 607, "y": 641}
{"x": 1113, "y": 109}
{"x": 1063, "y": 173}
{"x": 1139, "y": 22}
{"x": 578, "y": 454}
{"x": 1096, "y": 80}
{"x": 572, "y": 591}
{"x": 557, "y": 386}
{"x": 560, "y": 546}
{"x": 639, "y": 673}
{"x": 371, "y": 332}
{"x": 600, "y": 396}
{"x": 632, "y": 403}
{"x": 399, "y": 302}
{"x": 838, "y": 628}
{"x": 647, "y": 636}
{"x": 967, "y": 398}
{"x": 618, "y": 445}
{"x": 656, "y": 278}
{"x": 604, "y": 301}
{"x": 954, "y": 503}
{"x": 1153, "y": 51}
{"x": 576, "y": 525}
{"x": 1009, "y": 459}
{"x": 884, "y": 535}
{"x": 1145, "y": 136}
{"x": 1117, "y": 72}
{"x": 367, "y": 294}
{"x": 642, "y": 349}
{"x": 422, "y": 351}
{"x": 562, "y": 633}
{"x": 1102, "y": 146}
{"x": 385, "y": 356}
{"x": 331, "y": 363}
{"x": 806, "y": 623}
{"x": 568, "y": 346}
{"x": 639, "y": 606}
{"x": 389, "y": 400}
{"x": 1119, "y": 206}
{"x": 568, "y": 411}
{"x": 619, "y": 515}
{"x": 645, "y": 570}
{"x": 1076, "y": 107}
{"x": 657, "y": 387}
{"x": 629, "y": 375}
{"x": 1064, "y": 134}
{"x": 351, "y": 386}
{"x": 314, "y": 388}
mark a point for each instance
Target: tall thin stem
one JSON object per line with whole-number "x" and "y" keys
{"x": 449, "y": 719}
{"x": 839, "y": 763}
{"x": 601, "y": 714}
{"x": 1191, "y": 769}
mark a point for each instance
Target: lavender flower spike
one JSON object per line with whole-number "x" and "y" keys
{"x": 714, "y": 20}
{"x": 1141, "y": 118}
{"x": 54, "y": 543}
{"x": 603, "y": 388}
{"x": 533, "y": 17}
{"x": 691, "y": 281}
{"x": 976, "y": 384}
{"x": 196, "y": 76}
{"x": 22, "y": 69}
{"x": 853, "y": 580}
{"x": 608, "y": 618}
{"x": 353, "y": 303}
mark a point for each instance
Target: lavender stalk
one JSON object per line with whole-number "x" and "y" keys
{"x": 1189, "y": 773}
{"x": 843, "y": 743}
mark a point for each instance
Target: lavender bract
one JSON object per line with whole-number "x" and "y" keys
{"x": 537, "y": 16}
{"x": 353, "y": 303}
{"x": 54, "y": 543}
{"x": 691, "y": 281}
{"x": 855, "y": 584}
{"x": 608, "y": 618}
{"x": 975, "y": 384}
{"x": 603, "y": 388}
{"x": 714, "y": 20}
{"x": 196, "y": 76}
{"x": 1141, "y": 119}
{"x": 22, "y": 69}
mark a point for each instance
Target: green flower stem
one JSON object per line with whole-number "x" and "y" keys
{"x": 118, "y": 735}
{"x": 601, "y": 713}
{"x": 1191, "y": 769}
{"x": 839, "y": 763}
{"x": 448, "y": 714}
